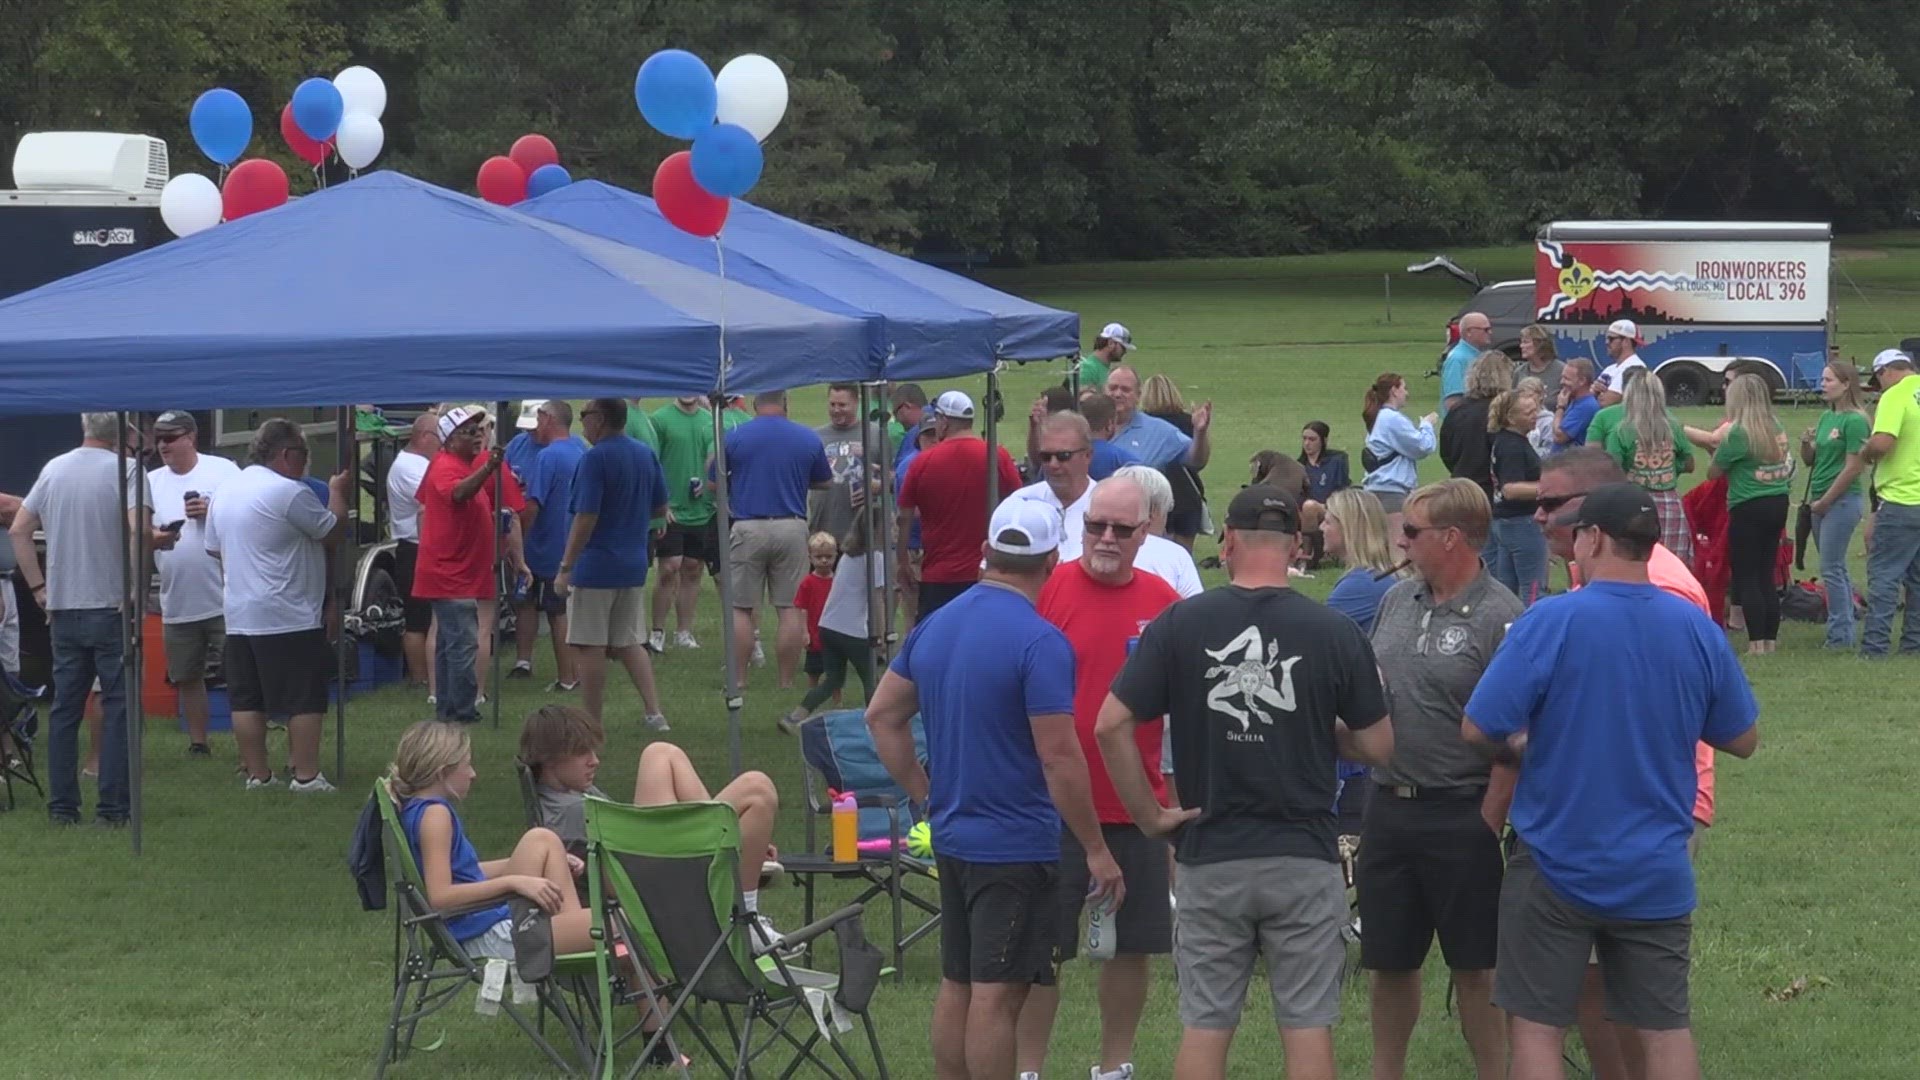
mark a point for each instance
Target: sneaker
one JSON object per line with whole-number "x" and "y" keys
{"x": 759, "y": 655}
{"x": 522, "y": 669}
{"x": 198, "y": 749}
{"x": 657, "y": 642}
{"x": 684, "y": 640}
{"x": 316, "y": 786}
{"x": 765, "y": 938}
{"x": 254, "y": 783}
{"x": 1124, "y": 1072}
{"x": 479, "y": 700}
{"x": 432, "y": 700}
{"x": 656, "y": 722}
{"x": 558, "y": 687}
{"x": 789, "y": 724}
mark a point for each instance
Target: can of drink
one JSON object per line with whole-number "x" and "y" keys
{"x": 1100, "y": 939}
{"x": 694, "y": 487}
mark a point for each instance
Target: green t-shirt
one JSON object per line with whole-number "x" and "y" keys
{"x": 733, "y": 418}
{"x": 1835, "y": 435}
{"x": 686, "y": 444}
{"x": 1747, "y": 476}
{"x": 1653, "y": 469}
{"x": 640, "y": 426}
{"x": 1093, "y": 373}
{"x": 1600, "y": 429}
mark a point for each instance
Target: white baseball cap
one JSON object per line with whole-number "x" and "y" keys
{"x": 1113, "y": 331}
{"x": 1888, "y": 357}
{"x": 529, "y": 415}
{"x": 1626, "y": 329}
{"x": 954, "y": 404}
{"x": 452, "y": 419}
{"x": 1024, "y": 527}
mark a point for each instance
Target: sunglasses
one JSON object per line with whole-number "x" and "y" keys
{"x": 1061, "y": 456}
{"x": 1412, "y": 532}
{"x": 173, "y": 437}
{"x": 1119, "y": 531}
{"x": 1553, "y": 503}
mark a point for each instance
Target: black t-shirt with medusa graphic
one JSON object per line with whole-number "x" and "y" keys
{"x": 1251, "y": 682}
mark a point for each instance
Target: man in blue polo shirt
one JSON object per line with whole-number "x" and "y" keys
{"x": 1107, "y": 458}
{"x": 1153, "y": 440}
{"x": 1476, "y": 337}
{"x": 993, "y": 682}
{"x": 547, "y": 481}
{"x": 1574, "y": 411}
{"x": 772, "y": 463}
{"x": 1604, "y": 805}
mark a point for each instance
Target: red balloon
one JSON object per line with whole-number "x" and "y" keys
{"x": 307, "y": 150}
{"x": 501, "y": 181}
{"x": 683, "y": 201}
{"x": 532, "y": 151}
{"x": 254, "y": 185}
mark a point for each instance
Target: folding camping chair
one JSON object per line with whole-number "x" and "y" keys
{"x": 676, "y": 867}
{"x": 431, "y": 966}
{"x": 19, "y": 723}
{"x": 837, "y": 754}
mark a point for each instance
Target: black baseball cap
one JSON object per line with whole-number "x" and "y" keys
{"x": 1263, "y": 508}
{"x": 176, "y": 420}
{"x": 1623, "y": 511}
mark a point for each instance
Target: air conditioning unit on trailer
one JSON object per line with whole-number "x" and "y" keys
{"x": 90, "y": 161}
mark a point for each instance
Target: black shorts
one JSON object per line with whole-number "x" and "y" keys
{"x": 1544, "y": 945}
{"x": 1144, "y": 924}
{"x": 542, "y": 596}
{"x": 691, "y": 542}
{"x": 279, "y": 674}
{"x": 418, "y": 613}
{"x": 1184, "y": 522}
{"x": 816, "y": 662}
{"x": 997, "y": 921}
{"x": 1427, "y": 868}
{"x": 935, "y": 595}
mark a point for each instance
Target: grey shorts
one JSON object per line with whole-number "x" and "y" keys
{"x": 1391, "y": 502}
{"x": 192, "y": 647}
{"x": 768, "y": 557}
{"x": 1544, "y": 944}
{"x": 1230, "y": 914}
{"x": 609, "y": 618}
{"x": 493, "y": 943}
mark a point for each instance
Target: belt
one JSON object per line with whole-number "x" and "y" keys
{"x": 1433, "y": 794}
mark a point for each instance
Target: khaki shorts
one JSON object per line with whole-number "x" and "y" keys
{"x": 190, "y": 645}
{"x": 768, "y": 557}
{"x": 609, "y": 618}
{"x": 1231, "y": 914}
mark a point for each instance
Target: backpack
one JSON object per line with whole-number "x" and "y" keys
{"x": 1804, "y": 601}
{"x": 367, "y": 858}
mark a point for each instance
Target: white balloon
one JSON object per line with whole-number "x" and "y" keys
{"x": 361, "y": 91}
{"x": 190, "y": 204}
{"x": 359, "y": 140}
{"x": 753, "y": 94}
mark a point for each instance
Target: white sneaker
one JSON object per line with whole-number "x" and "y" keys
{"x": 764, "y": 937}
{"x": 316, "y": 786}
{"x": 432, "y": 700}
{"x": 684, "y": 640}
{"x": 759, "y": 655}
{"x": 479, "y": 700}
{"x": 1124, "y": 1072}
{"x": 257, "y": 784}
{"x": 657, "y": 641}
{"x": 656, "y": 722}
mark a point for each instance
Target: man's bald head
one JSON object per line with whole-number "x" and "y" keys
{"x": 1476, "y": 329}
{"x": 425, "y": 438}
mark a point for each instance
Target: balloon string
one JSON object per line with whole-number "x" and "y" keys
{"x": 720, "y": 257}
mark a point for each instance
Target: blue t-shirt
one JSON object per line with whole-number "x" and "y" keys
{"x": 1153, "y": 441}
{"x": 1108, "y": 459}
{"x": 521, "y": 453}
{"x": 464, "y": 862}
{"x": 771, "y": 464}
{"x": 1357, "y": 596}
{"x": 550, "y": 483}
{"x": 619, "y": 479}
{"x": 1453, "y": 371}
{"x": 1607, "y": 782}
{"x": 1574, "y": 423}
{"x": 985, "y": 664}
{"x": 899, "y": 480}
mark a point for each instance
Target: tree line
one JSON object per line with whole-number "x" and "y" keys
{"x": 1057, "y": 130}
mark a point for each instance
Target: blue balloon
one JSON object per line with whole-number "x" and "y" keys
{"x": 222, "y": 125}
{"x": 727, "y": 160}
{"x": 547, "y": 178}
{"x": 317, "y": 108}
{"x": 676, "y": 94}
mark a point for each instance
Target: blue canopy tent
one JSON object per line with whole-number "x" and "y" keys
{"x": 926, "y": 323}
{"x": 388, "y": 288}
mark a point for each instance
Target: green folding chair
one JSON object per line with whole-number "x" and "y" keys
{"x": 677, "y": 866}
{"x": 431, "y": 967}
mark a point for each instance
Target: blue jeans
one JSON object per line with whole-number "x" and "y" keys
{"x": 456, "y": 649}
{"x": 1516, "y": 556}
{"x": 87, "y": 645}
{"x": 1894, "y": 561}
{"x": 1833, "y": 531}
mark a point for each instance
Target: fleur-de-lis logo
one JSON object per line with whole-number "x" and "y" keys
{"x": 1577, "y": 280}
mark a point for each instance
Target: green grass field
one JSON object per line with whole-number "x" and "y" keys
{"x": 235, "y": 947}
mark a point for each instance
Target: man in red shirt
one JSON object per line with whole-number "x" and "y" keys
{"x": 1101, "y": 603}
{"x": 946, "y": 487}
{"x": 455, "y": 571}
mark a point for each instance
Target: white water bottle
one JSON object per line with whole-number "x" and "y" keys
{"x": 1099, "y": 929}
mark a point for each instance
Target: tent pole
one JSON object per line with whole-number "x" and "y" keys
{"x": 880, "y": 538}
{"x": 343, "y": 548}
{"x": 504, "y": 530}
{"x": 723, "y": 515}
{"x": 993, "y": 441}
{"x": 132, "y": 596}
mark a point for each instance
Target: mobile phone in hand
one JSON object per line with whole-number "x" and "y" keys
{"x": 174, "y": 526}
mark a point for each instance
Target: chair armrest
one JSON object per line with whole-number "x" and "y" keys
{"x": 820, "y": 926}
{"x": 452, "y": 912}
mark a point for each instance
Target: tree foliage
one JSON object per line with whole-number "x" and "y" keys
{"x": 1061, "y": 129}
